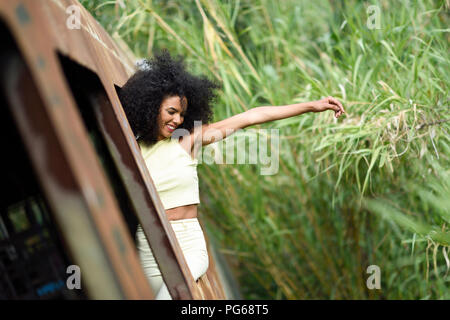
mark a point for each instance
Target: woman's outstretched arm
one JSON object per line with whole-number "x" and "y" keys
{"x": 216, "y": 131}
{"x": 267, "y": 114}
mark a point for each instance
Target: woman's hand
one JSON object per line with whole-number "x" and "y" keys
{"x": 328, "y": 103}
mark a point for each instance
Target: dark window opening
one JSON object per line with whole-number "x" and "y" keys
{"x": 85, "y": 85}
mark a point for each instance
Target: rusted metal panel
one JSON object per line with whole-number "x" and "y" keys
{"x": 88, "y": 190}
{"x": 60, "y": 185}
{"x": 40, "y": 29}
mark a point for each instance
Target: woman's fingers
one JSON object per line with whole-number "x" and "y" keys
{"x": 337, "y": 109}
{"x": 336, "y": 102}
{"x": 333, "y": 107}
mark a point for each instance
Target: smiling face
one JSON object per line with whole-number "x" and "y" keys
{"x": 171, "y": 115}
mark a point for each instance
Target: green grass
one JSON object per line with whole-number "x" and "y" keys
{"x": 369, "y": 188}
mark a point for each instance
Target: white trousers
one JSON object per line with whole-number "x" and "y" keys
{"x": 192, "y": 242}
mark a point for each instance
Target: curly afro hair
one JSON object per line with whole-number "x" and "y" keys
{"x": 161, "y": 77}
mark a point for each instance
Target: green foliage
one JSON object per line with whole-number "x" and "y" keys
{"x": 369, "y": 188}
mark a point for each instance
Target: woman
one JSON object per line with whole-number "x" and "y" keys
{"x": 161, "y": 101}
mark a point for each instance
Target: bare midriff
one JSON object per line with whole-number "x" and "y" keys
{"x": 182, "y": 212}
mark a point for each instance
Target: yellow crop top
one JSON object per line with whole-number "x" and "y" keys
{"x": 173, "y": 171}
